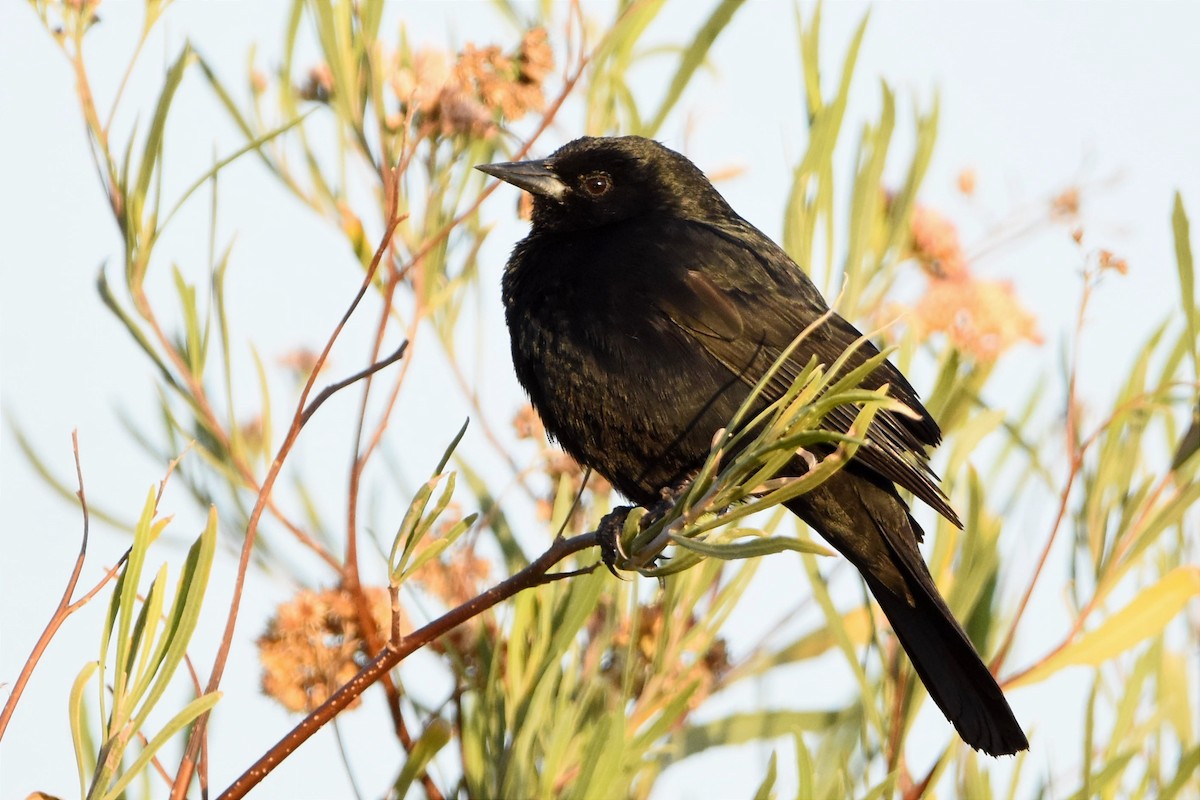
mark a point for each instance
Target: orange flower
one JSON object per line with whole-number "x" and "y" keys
{"x": 1065, "y": 204}
{"x": 528, "y": 425}
{"x": 935, "y": 244}
{"x": 980, "y": 317}
{"x": 1108, "y": 260}
{"x": 421, "y": 84}
{"x": 966, "y": 182}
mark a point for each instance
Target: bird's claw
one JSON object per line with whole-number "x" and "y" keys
{"x": 608, "y": 533}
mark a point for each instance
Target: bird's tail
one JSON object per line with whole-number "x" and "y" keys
{"x": 957, "y": 680}
{"x": 870, "y": 525}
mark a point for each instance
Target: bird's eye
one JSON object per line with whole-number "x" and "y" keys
{"x": 596, "y": 184}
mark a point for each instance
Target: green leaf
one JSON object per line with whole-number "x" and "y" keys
{"x": 79, "y": 735}
{"x": 1145, "y": 616}
{"x": 124, "y": 603}
{"x": 1096, "y": 783}
{"x": 436, "y": 548}
{"x": 856, "y": 622}
{"x": 750, "y": 548}
{"x": 264, "y": 390}
{"x": 1189, "y": 763}
{"x": 449, "y": 451}
{"x": 692, "y": 58}
{"x": 902, "y": 204}
{"x": 181, "y": 720}
{"x": 144, "y": 638}
{"x": 335, "y": 31}
{"x": 1187, "y": 275}
{"x": 148, "y": 167}
{"x": 435, "y": 736}
{"x": 405, "y": 541}
{"x": 193, "y": 338}
{"x": 805, "y": 788}
{"x": 1168, "y": 514}
{"x": 765, "y": 789}
{"x": 867, "y": 200}
{"x": 184, "y": 614}
{"x": 606, "y": 744}
{"x": 750, "y": 726}
{"x": 110, "y": 301}
{"x": 572, "y": 614}
{"x": 1175, "y": 694}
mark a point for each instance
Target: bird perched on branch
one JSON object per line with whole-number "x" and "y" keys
{"x": 643, "y": 310}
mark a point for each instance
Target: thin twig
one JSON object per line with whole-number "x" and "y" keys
{"x": 372, "y": 642}
{"x": 1097, "y": 595}
{"x": 65, "y": 607}
{"x": 332, "y": 389}
{"x": 1077, "y": 451}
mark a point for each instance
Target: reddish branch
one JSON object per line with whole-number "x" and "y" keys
{"x": 304, "y": 411}
{"x": 65, "y": 607}
{"x": 533, "y": 575}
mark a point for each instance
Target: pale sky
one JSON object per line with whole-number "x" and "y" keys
{"x": 1033, "y": 97}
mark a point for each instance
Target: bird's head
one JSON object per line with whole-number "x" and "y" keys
{"x": 595, "y": 181}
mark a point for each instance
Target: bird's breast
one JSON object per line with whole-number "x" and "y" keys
{"x": 620, "y": 387}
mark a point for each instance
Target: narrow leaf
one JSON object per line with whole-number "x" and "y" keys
{"x": 1187, "y": 275}
{"x": 692, "y": 58}
{"x": 432, "y": 740}
{"x": 1145, "y": 616}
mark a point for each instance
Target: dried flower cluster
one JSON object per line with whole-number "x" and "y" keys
{"x": 1108, "y": 260}
{"x": 454, "y": 577}
{"x": 313, "y": 645}
{"x": 935, "y": 244}
{"x": 1065, "y": 204}
{"x": 70, "y": 15}
{"x": 300, "y": 363}
{"x": 556, "y": 465}
{"x": 981, "y": 317}
{"x": 528, "y": 425}
{"x": 704, "y": 669}
{"x": 482, "y": 86}
{"x": 319, "y": 86}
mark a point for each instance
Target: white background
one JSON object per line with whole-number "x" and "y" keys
{"x": 1033, "y": 98}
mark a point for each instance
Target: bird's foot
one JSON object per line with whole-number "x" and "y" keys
{"x": 611, "y": 529}
{"x": 608, "y": 533}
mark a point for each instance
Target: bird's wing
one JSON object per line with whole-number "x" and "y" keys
{"x": 746, "y": 301}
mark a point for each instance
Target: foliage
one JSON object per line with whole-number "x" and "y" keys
{"x": 582, "y": 685}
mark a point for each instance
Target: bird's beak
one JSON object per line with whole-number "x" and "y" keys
{"x": 534, "y": 177}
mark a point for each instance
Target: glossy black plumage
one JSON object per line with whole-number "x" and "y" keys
{"x": 642, "y": 309}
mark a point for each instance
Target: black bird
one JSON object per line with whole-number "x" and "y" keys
{"x": 643, "y": 309}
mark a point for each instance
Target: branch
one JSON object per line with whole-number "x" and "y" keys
{"x": 533, "y": 575}
{"x": 334, "y": 388}
{"x": 65, "y": 607}
{"x": 187, "y": 765}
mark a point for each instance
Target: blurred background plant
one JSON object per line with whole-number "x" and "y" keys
{"x": 580, "y": 684}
